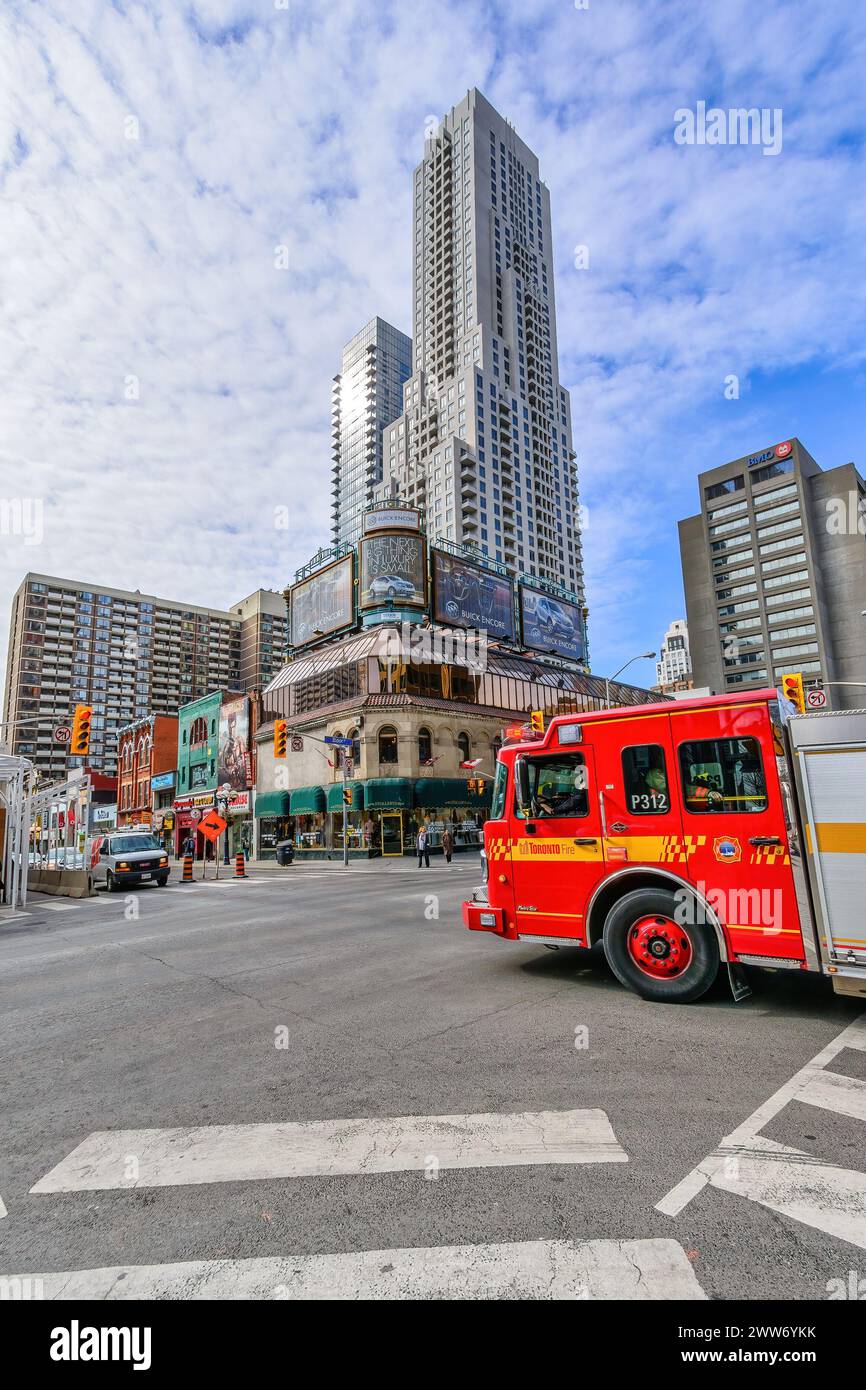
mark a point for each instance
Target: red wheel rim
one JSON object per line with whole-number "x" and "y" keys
{"x": 659, "y": 947}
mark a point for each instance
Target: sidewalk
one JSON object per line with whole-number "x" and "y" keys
{"x": 399, "y": 864}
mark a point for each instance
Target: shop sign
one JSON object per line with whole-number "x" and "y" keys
{"x": 239, "y": 804}
{"x": 162, "y": 781}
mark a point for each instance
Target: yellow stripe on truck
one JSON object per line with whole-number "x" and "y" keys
{"x": 840, "y": 837}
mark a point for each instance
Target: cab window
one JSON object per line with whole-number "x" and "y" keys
{"x": 722, "y": 774}
{"x": 500, "y": 782}
{"x": 645, "y": 777}
{"x": 558, "y": 787}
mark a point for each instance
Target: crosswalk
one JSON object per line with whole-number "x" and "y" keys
{"x": 639, "y": 1269}
{"x": 787, "y": 1180}
{"x": 592, "y": 1269}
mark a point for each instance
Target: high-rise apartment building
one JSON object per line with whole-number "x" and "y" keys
{"x": 365, "y": 397}
{"x": 264, "y": 637}
{"x": 674, "y": 665}
{"x": 126, "y": 654}
{"x": 483, "y": 445}
{"x": 774, "y": 570}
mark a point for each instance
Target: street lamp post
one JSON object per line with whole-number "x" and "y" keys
{"x": 642, "y": 656}
{"x": 223, "y": 794}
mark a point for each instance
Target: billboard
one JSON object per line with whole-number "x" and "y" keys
{"x": 393, "y": 518}
{"x": 234, "y": 740}
{"x": 469, "y": 596}
{"x": 393, "y": 571}
{"x": 551, "y": 624}
{"x": 323, "y": 603}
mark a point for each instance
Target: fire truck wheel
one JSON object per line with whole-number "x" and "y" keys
{"x": 649, "y": 952}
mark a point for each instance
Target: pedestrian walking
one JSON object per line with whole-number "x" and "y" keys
{"x": 447, "y": 845}
{"x": 423, "y": 850}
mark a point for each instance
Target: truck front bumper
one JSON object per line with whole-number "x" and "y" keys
{"x": 478, "y": 915}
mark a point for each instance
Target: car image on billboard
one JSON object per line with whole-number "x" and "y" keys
{"x": 469, "y": 596}
{"x": 551, "y": 624}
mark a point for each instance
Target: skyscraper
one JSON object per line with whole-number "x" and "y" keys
{"x": 483, "y": 445}
{"x": 367, "y": 395}
{"x": 674, "y": 666}
{"x": 774, "y": 571}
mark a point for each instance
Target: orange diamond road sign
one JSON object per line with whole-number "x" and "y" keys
{"x": 212, "y": 826}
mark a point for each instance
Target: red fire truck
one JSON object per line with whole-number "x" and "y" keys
{"x": 683, "y": 835}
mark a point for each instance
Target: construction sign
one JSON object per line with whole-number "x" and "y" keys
{"x": 212, "y": 826}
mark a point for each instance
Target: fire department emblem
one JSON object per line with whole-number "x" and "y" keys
{"x": 727, "y": 849}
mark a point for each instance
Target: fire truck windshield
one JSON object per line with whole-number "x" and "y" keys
{"x": 723, "y": 774}
{"x": 557, "y": 786}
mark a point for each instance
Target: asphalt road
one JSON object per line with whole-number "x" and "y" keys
{"x": 329, "y": 995}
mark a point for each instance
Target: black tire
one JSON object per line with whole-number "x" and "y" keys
{"x": 693, "y": 943}
{"x": 161, "y": 882}
{"x": 110, "y": 884}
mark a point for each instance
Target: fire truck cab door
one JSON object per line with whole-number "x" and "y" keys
{"x": 637, "y": 780}
{"x": 557, "y": 854}
{"x": 734, "y": 822}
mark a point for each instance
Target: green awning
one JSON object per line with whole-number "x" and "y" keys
{"x": 306, "y": 801}
{"x": 335, "y": 796}
{"x": 388, "y": 794}
{"x": 272, "y": 804}
{"x": 433, "y": 793}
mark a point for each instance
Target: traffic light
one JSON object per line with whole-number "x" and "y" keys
{"x": 792, "y": 689}
{"x": 281, "y": 737}
{"x": 536, "y": 721}
{"x": 79, "y": 744}
{"x": 480, "y": 785}
{"x": 471, "y": 785}
{"x": 347, "y": 796}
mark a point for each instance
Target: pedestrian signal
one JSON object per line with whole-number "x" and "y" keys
{"x": 792, "y": 689}
{"x": 536, "y": 721}
{"x": 281, "y": 737}
{"x": 79, "y": 744}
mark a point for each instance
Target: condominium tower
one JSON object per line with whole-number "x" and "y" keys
{"x": 483, "y": 445}
{"x": 367, "y": 395}
{"x": 126, "y": 654}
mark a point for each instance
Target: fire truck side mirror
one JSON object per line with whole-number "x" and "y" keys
{"x": 521, "y": 784}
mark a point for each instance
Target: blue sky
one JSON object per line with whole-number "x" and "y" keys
{"x": 165, "y": 387}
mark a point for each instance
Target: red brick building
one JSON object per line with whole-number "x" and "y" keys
{"x": 145, "y": 750}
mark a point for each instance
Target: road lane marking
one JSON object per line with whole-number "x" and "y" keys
{"x": 3, "y": 1211}
{"x": 327, "y": 1148}
{"x": 784, "y": 1179}
{"x": 59, "y": 907}
{"x": 556, "y": 1269}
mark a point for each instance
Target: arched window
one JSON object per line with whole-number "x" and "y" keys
{"x": 425, "y": 747}
{"x": 355, "y": 752}
{"x": 387, "y": 745}
{"x": 464, "y": 747}
{"x": 198, "y": 732}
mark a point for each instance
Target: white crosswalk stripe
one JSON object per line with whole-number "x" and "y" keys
{"x": 241, "y": 1153}
{"x": 784, "y": 1179}
{"x": 592, "y": 1269}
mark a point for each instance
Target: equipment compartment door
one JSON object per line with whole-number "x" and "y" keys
{"x": 556, "y": 851}
{"x": 834, "y": 781}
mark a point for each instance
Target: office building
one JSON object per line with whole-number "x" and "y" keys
{"x": 774, "y": 570}
{"x": 367, "y": 395}
{"x": 483, "y": 445}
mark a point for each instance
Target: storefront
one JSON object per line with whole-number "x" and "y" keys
{"x": 189, "y": 810}
{"x": 240, "y": 831}
{"x": 389, "y": 822}
{"x": 446, "y": 802}
{"x": 273, "y": 823}
{"x": 348, "y": 820}
{"x": 307, "y": 806}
